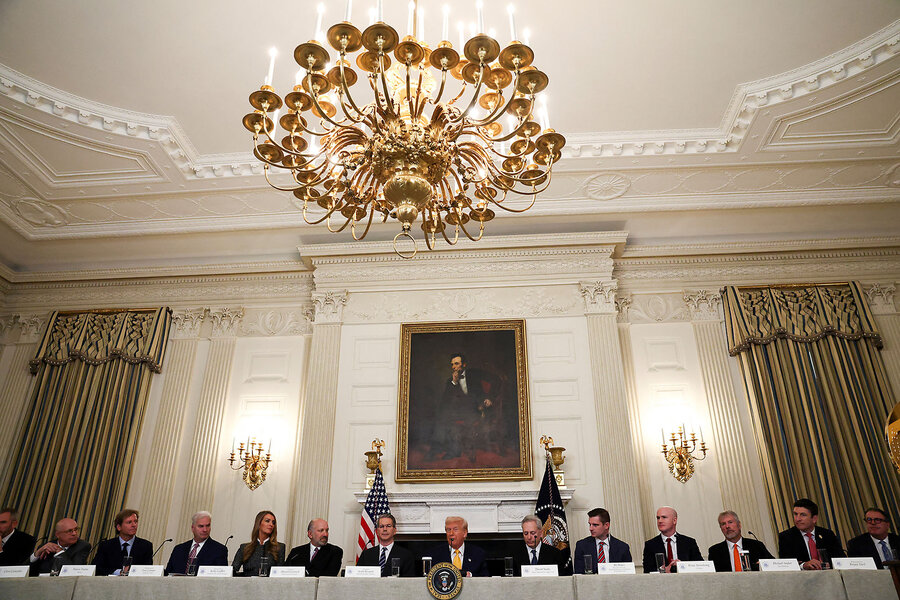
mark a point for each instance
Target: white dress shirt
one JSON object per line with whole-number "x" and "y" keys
{"x": 731, "y": 545}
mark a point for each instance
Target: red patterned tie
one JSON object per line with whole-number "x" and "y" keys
{"x": 601, "y": 555}
{"x": 669, "y": 556}
{"x": 813, "y": 551}
{"x": 191, "y": 556}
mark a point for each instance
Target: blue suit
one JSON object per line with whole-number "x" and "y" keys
{"x": 474, "y": 559}
{"x": 211, "y": 554}
{"x": 619, "y": 551}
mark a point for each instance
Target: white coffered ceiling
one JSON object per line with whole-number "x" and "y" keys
{"x": 690, "y": 122}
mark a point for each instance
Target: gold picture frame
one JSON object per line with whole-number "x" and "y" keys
{"x": 472, "y": 426}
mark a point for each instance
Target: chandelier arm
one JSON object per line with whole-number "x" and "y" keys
{"x": 494, "y": 115}
{"x": 409, "y": 99}
{"x": 459, "y": 95}
{"x": 368, "y": 225}
{"x": 315, "y": 98}
{"x": 388, "y": 101}
{"x": 455, "y": 236}
{"x": 347, "y": 91}
{"x": 478, "y": 85}
{"x": 441, "y": 89}
{"x": 280, "y": 189}
{"x": 420, "y": 102}
{"x": 516, "y": 210}
{"x": 342, "y": 227}
{"x": 465, "y": 231}
{"x": 327, "y": 214}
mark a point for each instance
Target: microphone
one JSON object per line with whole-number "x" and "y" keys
{"x": 160, "y": 548}
{"x": 753, "y": 534}
{"x": 226, "y": 543}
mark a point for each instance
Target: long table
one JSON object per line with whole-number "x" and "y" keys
{"x": 829, "y": 585}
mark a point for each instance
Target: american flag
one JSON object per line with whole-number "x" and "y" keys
{"x": 376, "y": 504}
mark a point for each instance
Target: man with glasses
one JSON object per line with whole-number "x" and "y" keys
{"x": 65, "y": 549}
{"x": 877, "y": 542}
{"x": 385, "y": 552}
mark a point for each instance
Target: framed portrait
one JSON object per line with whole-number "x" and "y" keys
{"x": 463, "y": 411}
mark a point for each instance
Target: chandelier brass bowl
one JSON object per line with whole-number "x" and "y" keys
{"x": 416, "y": 152}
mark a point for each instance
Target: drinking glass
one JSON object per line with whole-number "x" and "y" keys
{"x": 825, "y": 558}
{"x": 395, "y": 567}
{"x": 426, "y": 565}
{"x": 126, "y": 566}
{"x": 507, "y": 566}
{"x": 265, "y": 563}
{"x": 192, "y": 567}
{"x": 660, "y": 562}
{"x": 588, "y": 564}
{"x": 745, "y": 561}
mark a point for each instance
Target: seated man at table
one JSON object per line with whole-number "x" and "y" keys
{"x": 533, "y": 551}
{"x": 200, "y": 551}
{"x": 468, "y": 558}
{"x": 385, "y": 552}
{"x": 64, "y": 549}
{"x": 877, "y": 542}
{"x": 600, "y": 546}
{"x": 674, "y": 546}
{"x": 726, "y": 555}
{"x": 111, "y": 553}
{"x": 804, "y": 540}
{"x": 320, "y": 558}
{"x": 15, "y": 545}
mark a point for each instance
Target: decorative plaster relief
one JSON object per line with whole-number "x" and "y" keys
{"x": 606, "y": 186}
{"x": 276, "y": 322}
{"x": 40, "y": 213}
{"x": 187, "y": 322}
{"x": 599, "y": 296}
{"x": 892, "y": 179}
{"x": 658, "y": 308}
{"x": 329, "y": 306}
{"x": 226, "y": 321}
{"x": 881, "y": 298}
{"x": 704, "y": 305}
{"x": 24, "y": 329}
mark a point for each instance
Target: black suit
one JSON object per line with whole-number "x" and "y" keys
{"x": 792, "y": 544}
{"x": 371, "y": 556}
{"x": 474, "y": 560}
{"x": 17, "y": 549}
{"x": 326, "y": 564}
{"x": 619, "y": 551}
{"x": 76, "y": 554}
{"x": 685, "y": 547}
{"x": 547, "y": 555}
{"x": 463, "y": 423}
{"x": 863, "y": 545}
{"x": 109, "y": 554}
{"x": 718, "y": 553}
{"x": 211, "y": 554}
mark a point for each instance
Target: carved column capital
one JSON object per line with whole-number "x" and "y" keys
{"x": 31, "y": 327}
{"x": 881, "y": 297}
{"x": 599, "y": 296}
{"x": 704, "y": 305}
{"x": 329, "y": 306}
{"x": 226, "y": 321}
{"x": 186, "y": 323}
{"x": 622, "y": 306}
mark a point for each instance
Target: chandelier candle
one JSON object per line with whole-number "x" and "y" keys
{"x": 444, "y": 134}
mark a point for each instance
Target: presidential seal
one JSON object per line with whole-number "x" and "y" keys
{"x": 444, "y": 581}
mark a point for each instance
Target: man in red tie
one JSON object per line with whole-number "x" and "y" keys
{"x": 672, "y": 545}
{"x": 805, "y": 541}
{"x": 198, "y": 551}
{"x": 726, "y": 555}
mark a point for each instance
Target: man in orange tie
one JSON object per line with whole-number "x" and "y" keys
{"x": 806, "y": 542}
{"x": 726, "y": 555}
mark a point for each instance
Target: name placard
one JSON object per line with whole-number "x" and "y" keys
{"x": 696, "y": 566}
{"x": 78, "y": 571}
{"x": 615, "y": 568}
{"x": 146, "y": 571}
{"x": 14, "y": 571}
{"x": 355, "y": 571}
{"x": 540, "y": 570}
{"x": 287, "y": 572}
{"x": 866, "y": 563}
{"x": 778, "y": 564}
{"x": 214, "y": 571}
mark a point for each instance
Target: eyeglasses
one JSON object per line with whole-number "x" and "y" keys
{"x": 874, "y": 520}
{"x": 70, "y": 531}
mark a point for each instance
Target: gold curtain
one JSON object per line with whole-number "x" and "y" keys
{"x": 819, "y": 397}
{"x": 76, "y": 449}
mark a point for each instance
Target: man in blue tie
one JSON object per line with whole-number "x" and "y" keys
{"x": 112, "y": 553}
{"x": 386, "y": 552}
{"x": 534, "y": 552}
{"x": 877, "y": 542}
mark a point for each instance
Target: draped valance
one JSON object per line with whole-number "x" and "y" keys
{"x": 804, "y": 314}
{"x": 98, "y": 337}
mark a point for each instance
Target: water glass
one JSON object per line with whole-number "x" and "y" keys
{"x": 395, "y": 567}
{"x": 265, "y": 563}
{"x": 192, "y": 567}
{"x": 126, "y": 566}
{"x": 660, "y": 562}
{"x": 825, "y": 558}
{"x": 588, "y": 564}
{"x": 745, "y": 561}
{"x": 507, "y": 566}
{"x": 426, "y": 565}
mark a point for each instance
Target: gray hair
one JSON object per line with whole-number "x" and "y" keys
{"x": 729, "y": 513}
{"x": 533, "y": 519}
{"x": 199, "y": 515}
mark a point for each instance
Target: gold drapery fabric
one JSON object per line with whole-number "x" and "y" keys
{"x": 819, "y": 396}
{"x": 76, "y": 450}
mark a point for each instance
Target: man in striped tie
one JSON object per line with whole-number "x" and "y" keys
{"x": 386, "y": 553}
{"x": 199, "y": 551}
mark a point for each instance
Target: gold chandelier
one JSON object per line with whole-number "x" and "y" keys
{"x": 412, "y": 152}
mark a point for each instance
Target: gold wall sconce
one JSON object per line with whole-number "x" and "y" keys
{"x": 251, "y": 460}
{"x": 556, "y": 458}
{"x": 373, "y": 461}
{"x": 892, "y": 433}
{"x": 681, "y": 455}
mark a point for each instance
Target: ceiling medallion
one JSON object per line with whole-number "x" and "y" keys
{"x": 416, "y": 150}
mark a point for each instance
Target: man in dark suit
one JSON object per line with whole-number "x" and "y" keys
{"x": 65, "y": 549}
{"x": 202, "y": 550}
{"x": 385, "y": 552}
{"x": 877, "y": 542}
{"x": 320, "y": 558}
{"x": 726, "y": 555}
{"x": 589, "y": 549}
{"x": 468, "y": 415}
{"x": 111, "y": 553}
{"x": 468, "y": 558}
{"x": 15, "y": 546}
{"x": 533, "y": 551}
{"x": 804, "y": 540}
{"x": 674, "y": 546}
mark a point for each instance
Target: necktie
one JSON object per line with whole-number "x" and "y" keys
{"x": 886, "y": 551}
{"x": 534, "y": 556}
{"x": 383, "y": 559}
{"x": 191, "y": 556}
{"x": 737, "y": 559}
{"x": 669, "y": 556}
{"x": 313, "y": 557}
{"x": 457, "y": 559}
{"x": 601, "y": 555}
{"x": 813, "y": 551}
{"x": 124, "y": 549}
